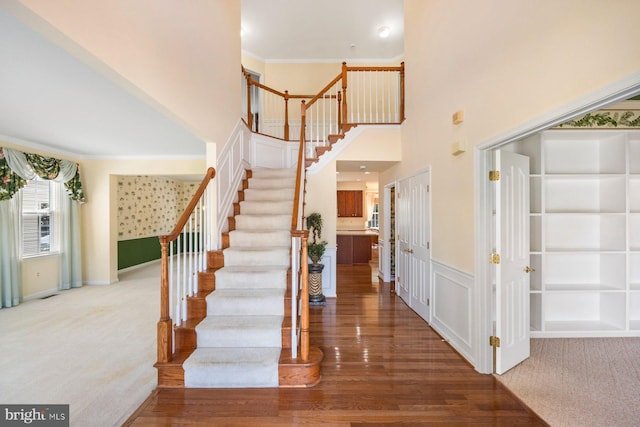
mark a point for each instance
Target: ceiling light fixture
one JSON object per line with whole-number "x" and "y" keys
{"x": 383, "y": 32}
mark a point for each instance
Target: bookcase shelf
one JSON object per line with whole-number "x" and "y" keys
{"x": 585, "y": 232}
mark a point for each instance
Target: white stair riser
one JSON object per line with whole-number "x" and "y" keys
{"x": 227, "y": 279}
{"x": 283, "y": 207}
{"x": 273, "y": 183}
{"x": 242, "y": 238}
{"x": 273, "y": 173}
{"x": 245, "y": 306}
{"x": 269, "y": 256}
{"x": 240, "y": 331}
{"x": 232, "y": 367}
{"x": 268, "y": 194}
{"x": 263, "y": 222}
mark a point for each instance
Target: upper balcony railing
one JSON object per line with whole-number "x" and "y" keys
{"x": 358, "y": 95}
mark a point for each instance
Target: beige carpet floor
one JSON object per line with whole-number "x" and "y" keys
{"x": 580, "y": 381}
{"x": 92, "y": 348}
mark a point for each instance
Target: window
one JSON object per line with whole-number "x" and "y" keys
{"x": 373, "y": 222}
{"x": 37, "y": 217}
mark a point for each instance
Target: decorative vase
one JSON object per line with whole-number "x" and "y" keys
{"x": 315, "y": 284}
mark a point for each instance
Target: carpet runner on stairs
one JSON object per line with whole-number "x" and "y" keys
{"x": 239, "y": 342}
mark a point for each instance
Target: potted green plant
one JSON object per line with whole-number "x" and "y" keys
{"x": 315, "y": 249}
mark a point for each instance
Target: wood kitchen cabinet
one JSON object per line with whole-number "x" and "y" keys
{"x": 353, "y": 249}
{"x": 350, "y": 203}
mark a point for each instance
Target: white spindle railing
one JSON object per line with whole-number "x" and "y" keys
{"x": 184, "y": 255}
{"x": 374, "y": 97}
{"x": 188, "y": 257}
{"x": 296, "y": 242}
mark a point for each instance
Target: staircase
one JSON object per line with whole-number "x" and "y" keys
{"x": 331, "y": 140}
{"x": 239, "y": 329}
{"x": 240, "y": 340}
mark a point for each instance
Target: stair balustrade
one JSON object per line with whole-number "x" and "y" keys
{"x": 299, "y": 265}
{"x": 183, "y": 256}
{"x": 358, "y": 95}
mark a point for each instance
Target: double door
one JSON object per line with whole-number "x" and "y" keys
{"x": 413, "y": 234}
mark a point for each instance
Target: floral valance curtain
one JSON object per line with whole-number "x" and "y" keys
{"x": 16, "y": 167}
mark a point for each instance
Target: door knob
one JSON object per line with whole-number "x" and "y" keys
{"x": 410, "y": 251}
{"x": 528, "y": 269}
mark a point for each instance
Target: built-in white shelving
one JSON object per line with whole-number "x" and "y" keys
{"x": 585, "y": 232}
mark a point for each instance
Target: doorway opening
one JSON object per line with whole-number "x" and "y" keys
{"x": 485, "y": 306}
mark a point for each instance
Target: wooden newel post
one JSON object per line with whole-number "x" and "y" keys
{"x": 304, "y": 295}
{"x": 402, "y": 92}
{"x": 339, "y": 111}
{"x": 303, "y": 124}
{"x": 249, "y": 114}
{"x": 165, "y": 333}
{"x": 286, "y": 115}
{"x": 344, "y": 93}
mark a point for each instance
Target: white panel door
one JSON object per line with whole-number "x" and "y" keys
{"x": 419, "y": 250}
{"x": 413, "y": 245}
{"x": 512, "y": 272}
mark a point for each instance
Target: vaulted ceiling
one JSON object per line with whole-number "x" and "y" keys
{"x": 52, "y": 101}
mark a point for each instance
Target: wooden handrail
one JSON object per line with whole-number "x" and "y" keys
{"x": 400, "y": 68}
{"x": 324, "y": 90}
{"x": 301, "y": 157}
{"x": 165, "y": 326}
{"x": 211, "y": 172}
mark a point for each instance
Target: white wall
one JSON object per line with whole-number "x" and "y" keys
{"x": 182, "y": 57}
{"x": 502, "y": 62}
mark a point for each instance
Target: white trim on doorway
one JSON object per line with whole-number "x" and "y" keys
{"x": 482, "y": 310}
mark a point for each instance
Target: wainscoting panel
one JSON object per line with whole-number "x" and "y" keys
{"x": 452, "y": 307}
{"x": 329, "y": 260}
{"x": 231, "y": 162}
{"x": 270, "y": 152}
{"x": 384, "y": 272}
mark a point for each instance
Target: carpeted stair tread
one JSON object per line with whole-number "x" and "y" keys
{"x": 252, "y": 277}
{"x": 276, "y": 256}
{"x": 249, "y": 238}
{"x": 282, "y": 207}
{"x": 240, "y": 331}
{"x": 275, "y": 194}
{"x": 263, "y": 222}
{"x": 231, "y": 302}
{"x": 265, "y": 173}
{"x": 273, "y": 183}
{"x": 232, "y": 367}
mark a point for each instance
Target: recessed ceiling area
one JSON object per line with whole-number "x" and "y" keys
{"x": 323, "y": 30}
{"x": 349, "y": 171}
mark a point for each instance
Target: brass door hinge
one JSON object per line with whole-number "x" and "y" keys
{"x": 494, "y": 341}
{"x": 494, "y": 258}
{"x": 494, "y": 175}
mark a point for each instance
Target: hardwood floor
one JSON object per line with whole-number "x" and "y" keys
{"x": 382, "y": 365}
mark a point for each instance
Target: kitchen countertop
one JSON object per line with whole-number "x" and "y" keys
{"x": 356, "y": 232}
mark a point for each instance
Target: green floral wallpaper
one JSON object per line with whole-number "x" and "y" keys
{"x": 625, "y": 115}
{"x": 150, "y": 205}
